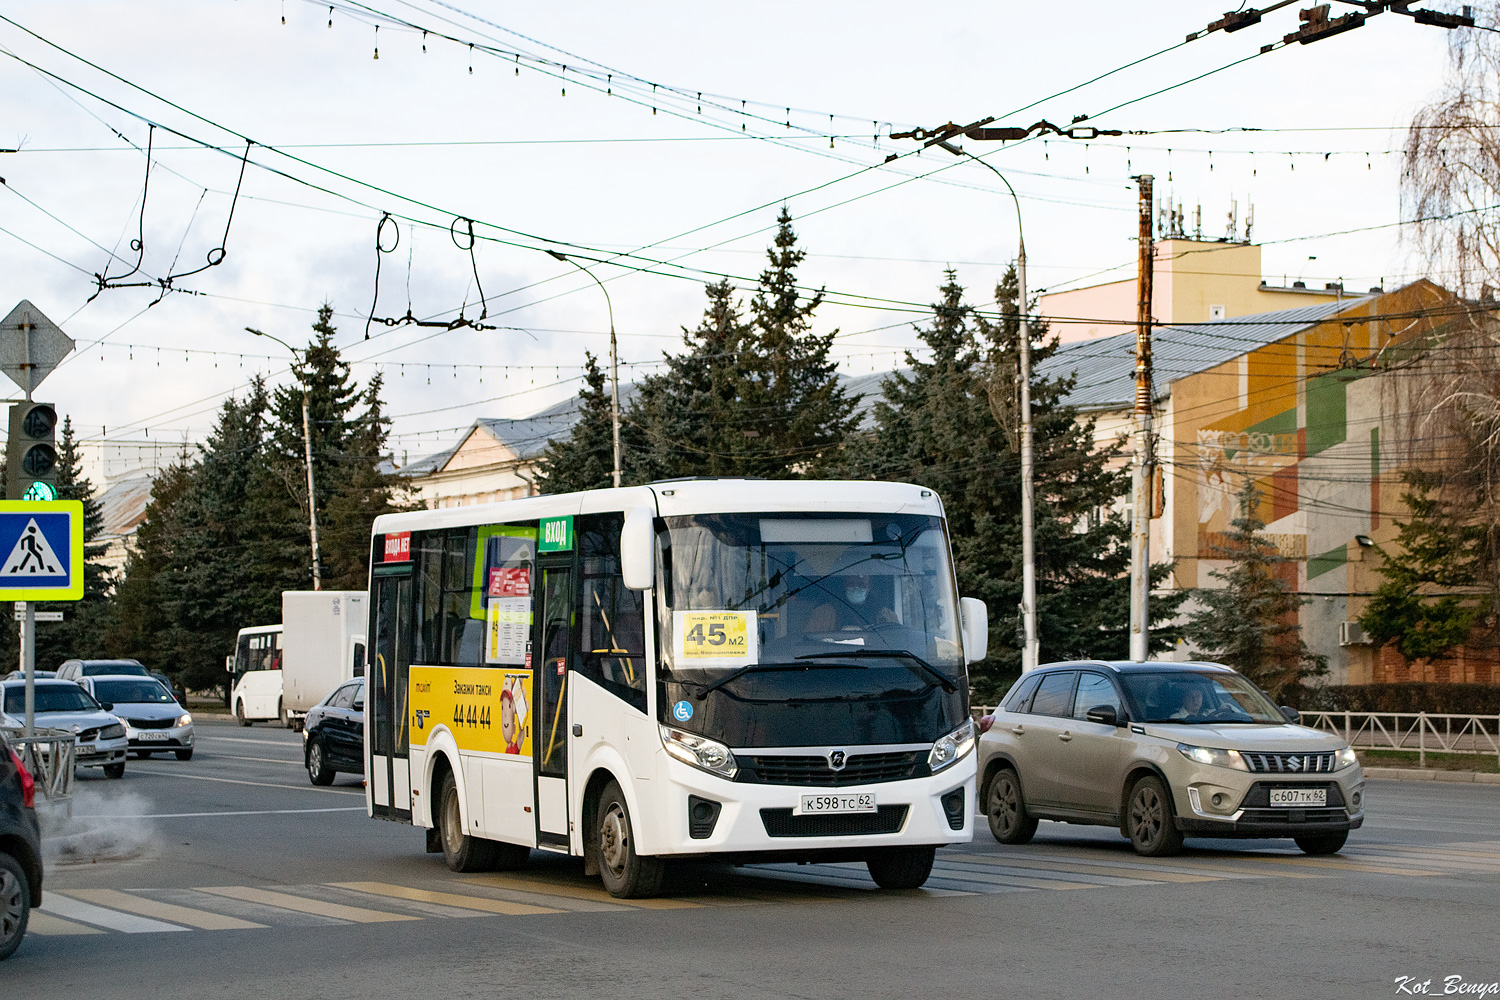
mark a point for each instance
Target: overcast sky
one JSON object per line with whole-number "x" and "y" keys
{"x": 544, "y": 154}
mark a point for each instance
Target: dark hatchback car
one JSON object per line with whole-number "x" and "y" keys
{"x": 20, "y": 850}
{"x": 334, "y": 733}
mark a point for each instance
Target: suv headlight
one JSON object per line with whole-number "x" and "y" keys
{"x": 952, "y": 748}
{"x": 184, "y": 720}
{"x": 1210, "y": 755}
{"x": 1345, "y": 758}
{"x": 699, "y": 751}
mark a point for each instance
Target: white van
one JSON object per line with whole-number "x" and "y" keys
{"x": 255, "y": 667}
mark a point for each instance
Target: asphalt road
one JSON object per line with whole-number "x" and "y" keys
{"x": 231, "y": 876}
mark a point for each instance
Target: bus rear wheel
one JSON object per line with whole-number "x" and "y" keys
{"x": 461, "y": 852}
{"x": 626, "y": 874}
{"x": 901, "y": 867}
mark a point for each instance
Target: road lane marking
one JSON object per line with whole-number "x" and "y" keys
{"x": 128, "y": 923}
{"x": 445, "y": 898}
{"x": 303, "y": 904}
{"x": 1330, "y": 862}
{"x": 577, "y": 892}
{"x": 227, "y": 812}
{"x": 201, "y": 919}
{"x": 264, "y": 760}
{"x": 241, "y": 781}
{"x": 43, "y": 923}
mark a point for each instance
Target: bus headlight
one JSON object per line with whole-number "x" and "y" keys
{"x": 699, "y": 751}
{"x": 952, "y": 748}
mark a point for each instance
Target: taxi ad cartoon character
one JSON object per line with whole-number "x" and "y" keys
{"x": 515, "y": 714}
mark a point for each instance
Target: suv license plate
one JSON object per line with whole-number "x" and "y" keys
{"x": 156, "y": 737}
{"x": 863, "y": 802}
{"x": 1299, "y": 796}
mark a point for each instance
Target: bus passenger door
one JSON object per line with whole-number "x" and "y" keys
{"x": 387, "y": 770}
{"x": 552, "y": 665}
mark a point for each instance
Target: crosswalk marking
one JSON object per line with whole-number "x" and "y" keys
{"x": 45, "y": 924}
{"x": 446, "y": 898}
{"x": 287, "y": 901}
{"x": 1135, "y": 871}
{"x": 128, "y": 923}
{"x": 576, "y": 892}
{"x": 142, "y": 906}
{"x": 553, "y": 889}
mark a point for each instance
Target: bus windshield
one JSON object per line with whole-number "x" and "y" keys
{"x": 754, "y": 590}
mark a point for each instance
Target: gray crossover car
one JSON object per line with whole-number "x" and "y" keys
{"x": 1163, "y": 751}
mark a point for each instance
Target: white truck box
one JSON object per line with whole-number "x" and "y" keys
{"x": 323, "y": 637}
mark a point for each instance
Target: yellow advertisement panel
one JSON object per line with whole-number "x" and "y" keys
{"x": 487, "y": 709}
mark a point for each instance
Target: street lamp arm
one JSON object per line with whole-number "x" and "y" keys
{"x": 272, "y": 336}
{"x": 614, "y": 362}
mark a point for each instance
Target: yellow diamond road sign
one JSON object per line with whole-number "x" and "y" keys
{"x": 41, "y": 545}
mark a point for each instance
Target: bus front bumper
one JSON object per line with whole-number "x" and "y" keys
{"x": 700, "y": 813}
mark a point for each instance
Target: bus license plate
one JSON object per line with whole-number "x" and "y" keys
{"x": 157, "y": 737}
{"x": 1299, "y": 796}
{"x": 862, "y": 802}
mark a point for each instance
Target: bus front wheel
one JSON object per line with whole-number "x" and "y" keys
{"x": 901, "y": 867}
{"x": 626, "y": 874}
{"x": 461, "y": 852}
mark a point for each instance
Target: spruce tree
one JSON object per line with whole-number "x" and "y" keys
{"x": 1250, "y": 623}
{"x": 757, "y": 397}
{"x": 584, "y": 460}
{"x": 1442, "y": 545}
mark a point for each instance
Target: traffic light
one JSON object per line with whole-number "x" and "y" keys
{"x": 30, "y": 454}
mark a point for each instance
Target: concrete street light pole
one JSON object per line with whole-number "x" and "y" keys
{"x": 614, "y": 360}
{"x": 312, "y": 495}
{"x": 1031, "y": 649}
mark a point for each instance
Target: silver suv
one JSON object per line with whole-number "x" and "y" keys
{"x": 1163, "y": 750}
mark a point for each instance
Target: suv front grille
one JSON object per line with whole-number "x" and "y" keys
{"x": 813, "y": 770}
{"x": 782, "y": 823}
{"x": 1289, "y": 763}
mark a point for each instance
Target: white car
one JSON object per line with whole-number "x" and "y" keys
{"x": 154, "y": 721}
{"x": 65, "y": 705}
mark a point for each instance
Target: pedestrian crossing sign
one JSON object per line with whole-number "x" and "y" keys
{"x": 41, "y": 545}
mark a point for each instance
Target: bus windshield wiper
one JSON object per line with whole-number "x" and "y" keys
{"x": 749, "y": 668}
{"x": 905, "y": 654}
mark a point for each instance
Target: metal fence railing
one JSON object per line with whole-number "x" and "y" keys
{"x": 49, "y": 754}
{"x": 1424, "y": 732}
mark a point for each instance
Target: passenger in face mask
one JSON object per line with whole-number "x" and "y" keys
{"x": 852, "y": 613}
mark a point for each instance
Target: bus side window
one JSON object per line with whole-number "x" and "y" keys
{"x": 611, "y": 620}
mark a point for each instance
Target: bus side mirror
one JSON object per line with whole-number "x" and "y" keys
{"x": 976, "y": 628}
{"x": 229, "y": 664}
{"x": 638, "y": 549}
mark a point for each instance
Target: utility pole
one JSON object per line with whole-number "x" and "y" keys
{"x": 1140, "y": 529}
{"x": 312, "y": 497}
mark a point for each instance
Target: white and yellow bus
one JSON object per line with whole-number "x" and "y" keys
{"x": 738, "y": 669}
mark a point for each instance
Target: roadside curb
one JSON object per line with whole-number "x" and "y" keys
{"x": 1418, "y": 774}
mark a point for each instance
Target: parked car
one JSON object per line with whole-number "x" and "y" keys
{"x": 154, "y": 721}
{"x": 20, "y": 850}
{"x": 16, "y": 675}
{"x": 1163, "y": 751}
{"x": 65, "y": 705}
{"x": 72, "y": 670}
{"x": 334, "y": 733}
